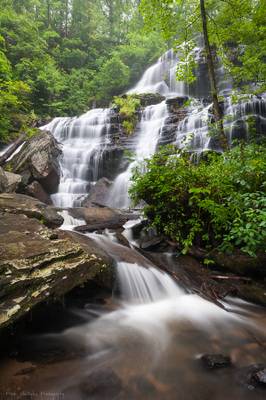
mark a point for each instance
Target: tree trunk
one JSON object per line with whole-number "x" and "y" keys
{"x": 48, "y": 13}
{"x": 111, "y": 18}
{"x": 218, "y": 115}
{"x": 66, "y": 19}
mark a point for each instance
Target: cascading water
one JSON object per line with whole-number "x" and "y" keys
{"x": 239, "y": 118}
{"x": 84, "y": 140}
{"x": 147, "y": 347}
{"x": 150, "y": 128}
{"x": 161, "y": 77}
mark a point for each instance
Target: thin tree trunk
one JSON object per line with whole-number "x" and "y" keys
{"x": 111, "y": 18}
{"x": 218, "y": 115}
{"x": 48, "y": 13}
{"x": 66, "y": 19}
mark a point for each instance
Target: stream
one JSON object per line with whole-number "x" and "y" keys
{"x": 147, "y": 339}
{"x": 143, "y": 342}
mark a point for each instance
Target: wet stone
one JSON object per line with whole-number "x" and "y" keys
{"x": 214, "y": 361}
{"x": 260, "y": 377}
{"x": 252, "y": 376}
{"x": 102, "y": 384}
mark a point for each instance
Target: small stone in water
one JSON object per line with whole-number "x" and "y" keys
{"x": 252, "y": 376}
{"x": 213, "y": 361}
{"x": 260, "y": 377}
{"x": 103, "y": 383}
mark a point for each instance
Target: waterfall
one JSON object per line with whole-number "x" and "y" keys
{"x": 84, "y": 140}
{"x": 149, "y": 128}
{"x": 161, "y": 77}
{"x": 144, "y": 285}
{"x": 245, "y": 115}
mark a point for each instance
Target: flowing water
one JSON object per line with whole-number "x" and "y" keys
{"x": 160, "y": 78}
{"x": 146, "y": 341}
{"x": 84, "y": 140}
{"x": 146, "y": 344}
{"x": 150, "y": 127}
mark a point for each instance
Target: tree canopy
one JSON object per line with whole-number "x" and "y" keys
{"x": 59, "y": 57}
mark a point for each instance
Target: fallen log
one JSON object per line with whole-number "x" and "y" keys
{"x": 235, "y": 278}
{"x": 12, "y": 149}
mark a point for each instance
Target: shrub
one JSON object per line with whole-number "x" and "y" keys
{"x": 218, "y": 203}
{"x": 128, "y": 107}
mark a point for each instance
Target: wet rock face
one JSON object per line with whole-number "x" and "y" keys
{"x": 98, "y": 193}
{"x": 177, "y": 112}
{"x": 149, "y": 99}
{"x": 38, "y": 160}
{"x": 174, "y": 103}
{"x": 39, "y": 264}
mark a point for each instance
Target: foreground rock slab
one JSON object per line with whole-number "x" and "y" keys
{"x": 21, "y": 204}
{"x": 39, "y": 264}
{"x": 100, "y": 218}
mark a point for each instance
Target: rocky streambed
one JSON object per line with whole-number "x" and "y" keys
{"x": 96, "y": 307}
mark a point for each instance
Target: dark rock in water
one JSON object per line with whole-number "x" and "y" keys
{"x": 37, "y": 191}
{"x": 38, "y": 264}
{"x": 260, "y": 377}
{"x": 213, "y": 361}
{"x": 149, "y": 99}
{"x": 21, "y": 204}
{"x": 150, "y": 243}
{"x": 102, "y": 384}
{"x": 252, "y": 376}
{"x": 3, "y": 181}
{"x": 98, "y": 218}
{"x": 176, "y": 102}
{"x": 98, "y": 193}
{"x": 38, "y": 160}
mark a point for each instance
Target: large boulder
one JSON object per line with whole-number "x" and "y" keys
{"x": 236, "y": 262}
{"x": 99, "y": 218}
{"x": 38, "y": 160}
{"x": 36, "y": 190}
{"x": 14, "y": 203}
{"x": 14, "y": 181}
{"x": 38, "y": 264}
{"x": 3, "y": 181}
{"x": 98, "y": 193}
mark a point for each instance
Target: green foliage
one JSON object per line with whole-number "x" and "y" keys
{"x": 128, "y": 107}
{"x": 113, "y": 77}
{"x": 218, "y": 203}
{"x": 70, "y": 54}
{"x": 236, "y": 29}
{"x": 14, "y": 106}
